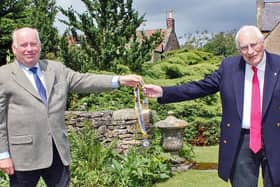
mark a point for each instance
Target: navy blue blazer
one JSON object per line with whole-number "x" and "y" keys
{"x": 229, "y": 81}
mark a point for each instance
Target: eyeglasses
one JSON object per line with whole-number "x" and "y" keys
{"x": 245, "y": 48}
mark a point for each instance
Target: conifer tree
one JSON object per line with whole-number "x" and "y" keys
{"x": 42, "y": 18}
{"x": 107, "y": 36}
{"x": 13, "y": 14}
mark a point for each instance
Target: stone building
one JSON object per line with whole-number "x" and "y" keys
{"x": 268, "y": 21}
{"x": 170, "y": 41}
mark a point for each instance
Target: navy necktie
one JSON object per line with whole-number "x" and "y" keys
{"x": 39, "y": 85}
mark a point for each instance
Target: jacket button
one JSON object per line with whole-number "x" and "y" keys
{"x": 225, "y": 141}
{"x": 278, "y": 124}
{"x": 228, "y": 124}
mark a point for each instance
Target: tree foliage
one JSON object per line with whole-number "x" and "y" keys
{"x": 197, "y": 39}
{"x": 13, "y": 14}
{"x": 107, "y": 36}
{"x": 140, "y": 51}
{"x": 43, "y": 17}
{"x": 222, "y": 44}
{"x": 39, "y": 14}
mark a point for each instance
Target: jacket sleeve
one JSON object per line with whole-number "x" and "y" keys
{"x": 3, "y": 120}
{"x": 82, "y": 82}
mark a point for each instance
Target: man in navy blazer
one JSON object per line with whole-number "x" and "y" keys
{"x": 233, "y": 79}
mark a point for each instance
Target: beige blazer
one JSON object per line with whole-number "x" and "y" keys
{"x": 28, "y": 127}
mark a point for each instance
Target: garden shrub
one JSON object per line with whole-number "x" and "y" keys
{"x": 4, "y": 179}
{"x": 98, "y": 165}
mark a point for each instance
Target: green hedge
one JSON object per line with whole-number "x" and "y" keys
{"x": 177, "y": 67}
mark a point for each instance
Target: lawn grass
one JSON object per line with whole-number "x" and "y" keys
{"x": 206, "y": 154}
{"x": 200, "y": 178}
{"x": 195, "y": 178}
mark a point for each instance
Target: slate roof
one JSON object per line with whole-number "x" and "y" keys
{"x": 270, "y": 16}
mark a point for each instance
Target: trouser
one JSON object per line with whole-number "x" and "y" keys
{"x": 57, "y": 175}
{"x": 246, "y": 168}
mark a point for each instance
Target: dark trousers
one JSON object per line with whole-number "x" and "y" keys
{"x": 246, "y": 168}
{"x": 57, "y": 175}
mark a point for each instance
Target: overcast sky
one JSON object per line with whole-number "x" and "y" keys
{"x": 190, "y": 15}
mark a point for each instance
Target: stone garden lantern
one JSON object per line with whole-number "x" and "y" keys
{"x": 172, "y": 130}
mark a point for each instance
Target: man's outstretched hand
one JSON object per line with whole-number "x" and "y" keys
{"x": 130, "y": 80}
{"x": 152, "y": 91}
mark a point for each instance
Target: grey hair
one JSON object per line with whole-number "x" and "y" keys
{"x": 14, "y": 35}
{"x": 260, "y": 36}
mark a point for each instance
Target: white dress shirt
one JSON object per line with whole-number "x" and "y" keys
{"x": 248, "y": 90}
{"x": 30, "y": 77}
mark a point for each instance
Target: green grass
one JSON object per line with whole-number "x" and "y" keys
{"x": 200, "y": 178}
{"x": 195, "y": 178}
{"x": 207, "y": 154}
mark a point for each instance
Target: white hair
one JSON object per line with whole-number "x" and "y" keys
{"x": 14, "y": 35}
{"x": 260, "y": 36}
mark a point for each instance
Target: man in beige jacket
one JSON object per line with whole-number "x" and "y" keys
{"x": 33, "y": 135}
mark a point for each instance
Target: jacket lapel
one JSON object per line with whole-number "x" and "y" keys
{"x": 238, "y": 77}
{"x": 271, "y": 77}
{"x": 49, "y": 76}
{"x": 21, "y": 79}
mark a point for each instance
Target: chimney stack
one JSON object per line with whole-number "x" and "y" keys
{"x": 170, "y": 21}
{"x": 260, "y": 6}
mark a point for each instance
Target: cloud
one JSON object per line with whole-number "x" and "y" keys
{"x": 190, "y": 15}
{"x": 194, "y": 15}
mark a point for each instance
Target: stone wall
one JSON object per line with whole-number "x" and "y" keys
{"x": 120, "y": 125}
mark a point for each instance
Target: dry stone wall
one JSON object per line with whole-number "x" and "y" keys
{"x": 120, "y": 125}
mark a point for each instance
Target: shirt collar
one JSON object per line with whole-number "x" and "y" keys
{"x": 22, "y": 66}
{"x": 261, "y": 65}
